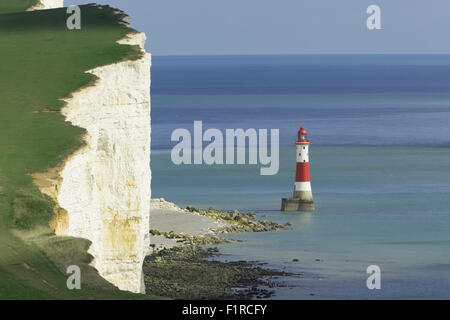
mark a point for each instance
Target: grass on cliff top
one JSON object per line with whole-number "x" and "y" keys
{"x": 41, "y": 62}
{"x": 7, "y": 6}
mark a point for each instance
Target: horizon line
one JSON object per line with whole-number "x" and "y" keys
{"x": 297, "y": 54}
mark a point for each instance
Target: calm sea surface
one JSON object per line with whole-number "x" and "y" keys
{"x": 380, "y": 164}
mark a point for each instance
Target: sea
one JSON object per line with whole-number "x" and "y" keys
{"x": 379, "y": 127}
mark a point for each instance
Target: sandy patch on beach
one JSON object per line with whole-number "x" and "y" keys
{"x": 166, "y": 216}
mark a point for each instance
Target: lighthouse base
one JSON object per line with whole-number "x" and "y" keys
{"x": 295, "y": 204}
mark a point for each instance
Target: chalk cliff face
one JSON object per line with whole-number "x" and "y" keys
{"x": 47, "y": 4}
{"x": 105, "y": 186}
{"x": 102, "y": 191}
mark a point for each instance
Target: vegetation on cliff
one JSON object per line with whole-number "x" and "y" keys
{"x": 8, "y": 6}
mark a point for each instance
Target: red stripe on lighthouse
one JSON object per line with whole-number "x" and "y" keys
{"x": 302, "y": 172}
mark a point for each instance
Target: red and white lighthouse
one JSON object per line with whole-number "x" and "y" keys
{"x": 302, "y": 199}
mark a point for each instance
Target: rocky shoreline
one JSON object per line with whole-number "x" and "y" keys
{"x": 179, "y": 266}
{"x": 238, "y": 222}
{"x": 185, "y": 273}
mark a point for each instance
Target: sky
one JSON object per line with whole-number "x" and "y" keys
{"x": 223, "y": 27}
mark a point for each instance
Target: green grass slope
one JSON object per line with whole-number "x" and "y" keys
{"x": 41, "y": 62}
{"x": 7, "y": 6}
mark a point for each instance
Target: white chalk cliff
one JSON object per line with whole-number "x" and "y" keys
{"x": 102, "y": 192}
{"x": 47, "y": 4}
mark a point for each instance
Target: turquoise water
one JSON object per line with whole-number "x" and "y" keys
{"x": 379, "y": 159}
